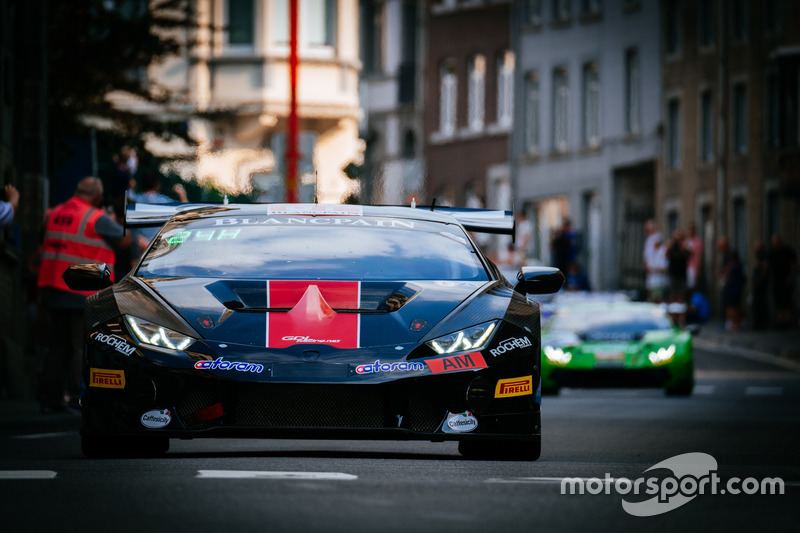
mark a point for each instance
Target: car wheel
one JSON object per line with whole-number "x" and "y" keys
{"x": 681, "y": 389}
{"x": 501, "y": 450}
{"x": 100, "y": 447}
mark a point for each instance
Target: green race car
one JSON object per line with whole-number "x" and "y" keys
{"x": 615, "y": 344}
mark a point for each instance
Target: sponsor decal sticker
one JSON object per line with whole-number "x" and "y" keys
{"x": 314, "y": 209}
{"x": 514, "y": 387}
{"x": 452, "y": 363}
{"x": 157, "y": 418}
{"x": 377, "y": 366}
{"x": 510, "y": 344}
{"x": 106, "y": 379}
{"x": 312, "y": 319}
{"x": 460, "y": 422}
{"x": 116, "y": 342}
{"x": 220, "y": 364}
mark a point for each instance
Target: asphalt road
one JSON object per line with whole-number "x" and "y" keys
{"x": 744, "y": 417}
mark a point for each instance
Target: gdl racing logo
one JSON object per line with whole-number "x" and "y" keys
{"x": 693, "y": 474}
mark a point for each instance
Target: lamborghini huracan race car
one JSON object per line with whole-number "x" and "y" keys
{"x": 313, "y": 321}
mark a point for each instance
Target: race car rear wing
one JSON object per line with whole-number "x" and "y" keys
{"x": 141, "y": 215}
{"x": 478, "y": 220}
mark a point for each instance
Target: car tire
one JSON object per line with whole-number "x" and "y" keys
{"x": 681, "y": 389}
{"x": 501, "y": 450}
{"x": 103, "y": 447}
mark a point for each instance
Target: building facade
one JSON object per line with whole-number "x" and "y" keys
{"x": 731, "y": 125}
{"x": 235, "y": 81}
{"x": 391, "y": 48}
{"x": 469, "y": 99}
{"x": 586, "y": 136}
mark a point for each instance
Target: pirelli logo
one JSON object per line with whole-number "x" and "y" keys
{"x": 107, "y": 379}
{"x": 514, "y": 387}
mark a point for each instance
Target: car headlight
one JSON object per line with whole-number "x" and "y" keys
{"x": 557, "y": 355}
{"x": 662, "y": 355}
{"x": 157, "y": 335}
{"x": 475, "y": 338}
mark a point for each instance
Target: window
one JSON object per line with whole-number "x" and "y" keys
{"x": 532, "y": 113}
{"x": 477, "y": 90}
{"x": 319, "y": 19}
{"x": 316, "y": 22}
{"x": 672, "y": 30}
{"x": 447, "y": 99}
{"x": 240, "y": 15}
{"x": 632, "y": 92}
{"x": 591, "y": 105}
{"x": 706, "y": 127}
{"x": 773, "y": 115}
{"x": 772, "y": 17}
{"x": 673, "y": 134}
{"x": 560, "y": 100}
{"x": 533, "y": 11}
{"x": 505, "y": 87}
{"x": 371, "y": 21}
{"x": 561, "y": 10}
{"x": 705, "y": 17}
{"x": 591, "y": 7}
{"x": 739, "y": 20}
{"x": 740, "y": 118}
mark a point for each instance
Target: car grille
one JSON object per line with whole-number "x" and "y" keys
{"x": 418, "y": 405}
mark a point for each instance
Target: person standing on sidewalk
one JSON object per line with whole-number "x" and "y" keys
{"x": 783, "y": 269}
{"x": 9, "y": 207}
{"x": 76, "y": 232}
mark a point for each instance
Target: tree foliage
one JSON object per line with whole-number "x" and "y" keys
{"x": 99, "y": 46}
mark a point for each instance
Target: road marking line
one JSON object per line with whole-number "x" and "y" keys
{"x": 250, "y": 474}
{"x": 43, "y": 435}
{"x": 704, "y": 389}
{"x": 763, "y": 391}
{"x": 27, "y": 474}
{"x": 528, "y": 479}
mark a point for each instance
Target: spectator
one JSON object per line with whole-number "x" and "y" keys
{"x": 656, "y": 281}
{"x": 522, "y": 238}
{"x": 8, "y": 208}
{"x": 649, "y": 246}
{"x": 760, "y": 292}
{"x": 151, "y": 183}
{"x": 565, "y": 246}
{"x": 576, "y": 279}
{"x": 783, "y": 269}
{"x": 123, "y": 182}
{"x": 77, "y": 231}
{"x": 698, "y": 310}
{"x": 733, "y": 280}
{"x": 695, "y": 247}
{"x": 151, "y": 191}
{"x": 677, "y": 267}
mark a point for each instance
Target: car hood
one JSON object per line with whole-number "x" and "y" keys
{"x": 293, "y": 314}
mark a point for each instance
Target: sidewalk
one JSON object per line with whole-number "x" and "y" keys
{"x": 780, "y": 348}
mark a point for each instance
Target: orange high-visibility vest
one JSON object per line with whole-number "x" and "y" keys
{"x": 70, "y": 239}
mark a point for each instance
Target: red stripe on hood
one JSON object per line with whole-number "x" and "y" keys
{"x": 312, "y": 319}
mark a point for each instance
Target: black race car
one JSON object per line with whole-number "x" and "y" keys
{"x": 313, "y": 321}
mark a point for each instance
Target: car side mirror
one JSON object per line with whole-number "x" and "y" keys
{"x": 539, "y": 280}
{"x": 87, "y": 277}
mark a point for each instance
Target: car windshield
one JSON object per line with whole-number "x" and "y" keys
{"x": 592, "y": 321}
{"x": 280, "y": 247}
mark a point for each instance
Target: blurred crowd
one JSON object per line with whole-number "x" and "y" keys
{"x": 765, "y": 298}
